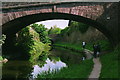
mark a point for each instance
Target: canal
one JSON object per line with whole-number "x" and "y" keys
{"x": 58, "y": 59}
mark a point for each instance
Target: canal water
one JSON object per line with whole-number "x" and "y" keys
{"x": 58, "y": 59}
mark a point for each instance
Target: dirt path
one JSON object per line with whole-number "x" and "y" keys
{"x": 97, "y": 65}
{"x": 96, "y": 69}
{"x": 88, "y": 53}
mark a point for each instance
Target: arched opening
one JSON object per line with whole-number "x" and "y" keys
{"x": 12, "y": 27}
{"x": 17, "y": 24}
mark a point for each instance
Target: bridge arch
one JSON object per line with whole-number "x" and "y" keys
{"x": 17, "y": 24}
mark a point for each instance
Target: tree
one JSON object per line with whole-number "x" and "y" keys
{"x": 79, "y": 26}
{"x": 43, "y": 33}
{"x": 29, "y": 42}
{"x": 54, "y": 30}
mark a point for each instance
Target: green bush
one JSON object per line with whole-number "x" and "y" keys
{"x": 65, "y": 31}
{"x": 29, "y": 41}
{"x": 75, "y": 26}
{"x": 54, "y": 30}
{"x": 42, "y": 31}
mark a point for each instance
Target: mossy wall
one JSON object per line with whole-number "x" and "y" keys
{"x": 76, "y": 36}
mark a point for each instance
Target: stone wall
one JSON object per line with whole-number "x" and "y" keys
{"x": 90, "y": 35}
{"x": 110, "y": 20}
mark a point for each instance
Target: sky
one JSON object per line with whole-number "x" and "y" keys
{"x": 50, "y": 23}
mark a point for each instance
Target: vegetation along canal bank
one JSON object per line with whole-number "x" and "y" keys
{"x": 108, "y": 58}
{"x": 36, "y": 52}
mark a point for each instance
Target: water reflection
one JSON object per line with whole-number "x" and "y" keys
{"x": 83, "y": 58}
{"x": 16, "y": 69}
{"x": 51, "y": 66}
{"x": 67, "y": 56}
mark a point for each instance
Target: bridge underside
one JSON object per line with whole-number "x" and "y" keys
{"x": 16, "y": 25}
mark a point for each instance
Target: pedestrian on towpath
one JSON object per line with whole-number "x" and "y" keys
{"x": 83, "y": 44}
{"x": 95, "y": 50}
{"x": 98, "y": 49}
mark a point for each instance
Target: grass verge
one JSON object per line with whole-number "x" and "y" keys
{"x": 74, "y": 47}
{"x": 110, "y": 64}
{"x": 81, "y": 70}
{"x": 105, "y": 45}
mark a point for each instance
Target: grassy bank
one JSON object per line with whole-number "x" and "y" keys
{"x": 108, "y": 60}
{"x": 68, "y": 50}
{"x": 78, "y": 47}
{"x": 110, "y": 64}
{"x": 73, "y": 71}
{"x": 75, "y": 47}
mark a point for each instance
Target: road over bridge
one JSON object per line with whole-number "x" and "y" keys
{"x": 101, "y": 15}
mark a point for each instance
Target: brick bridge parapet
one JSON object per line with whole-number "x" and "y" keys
{"x": 88, "y": 10}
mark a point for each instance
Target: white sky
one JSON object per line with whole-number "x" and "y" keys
{"x": 50, "y": 23}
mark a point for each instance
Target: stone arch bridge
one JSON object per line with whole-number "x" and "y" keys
{"x": 101, "y": 15}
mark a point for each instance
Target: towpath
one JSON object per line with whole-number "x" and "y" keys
{"x": 97, "y": 65}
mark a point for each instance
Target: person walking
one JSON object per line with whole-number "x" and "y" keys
{"x": 98, "y": 49}
{"x": 83, "y": 44}
{"x": 95, "y": 50}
